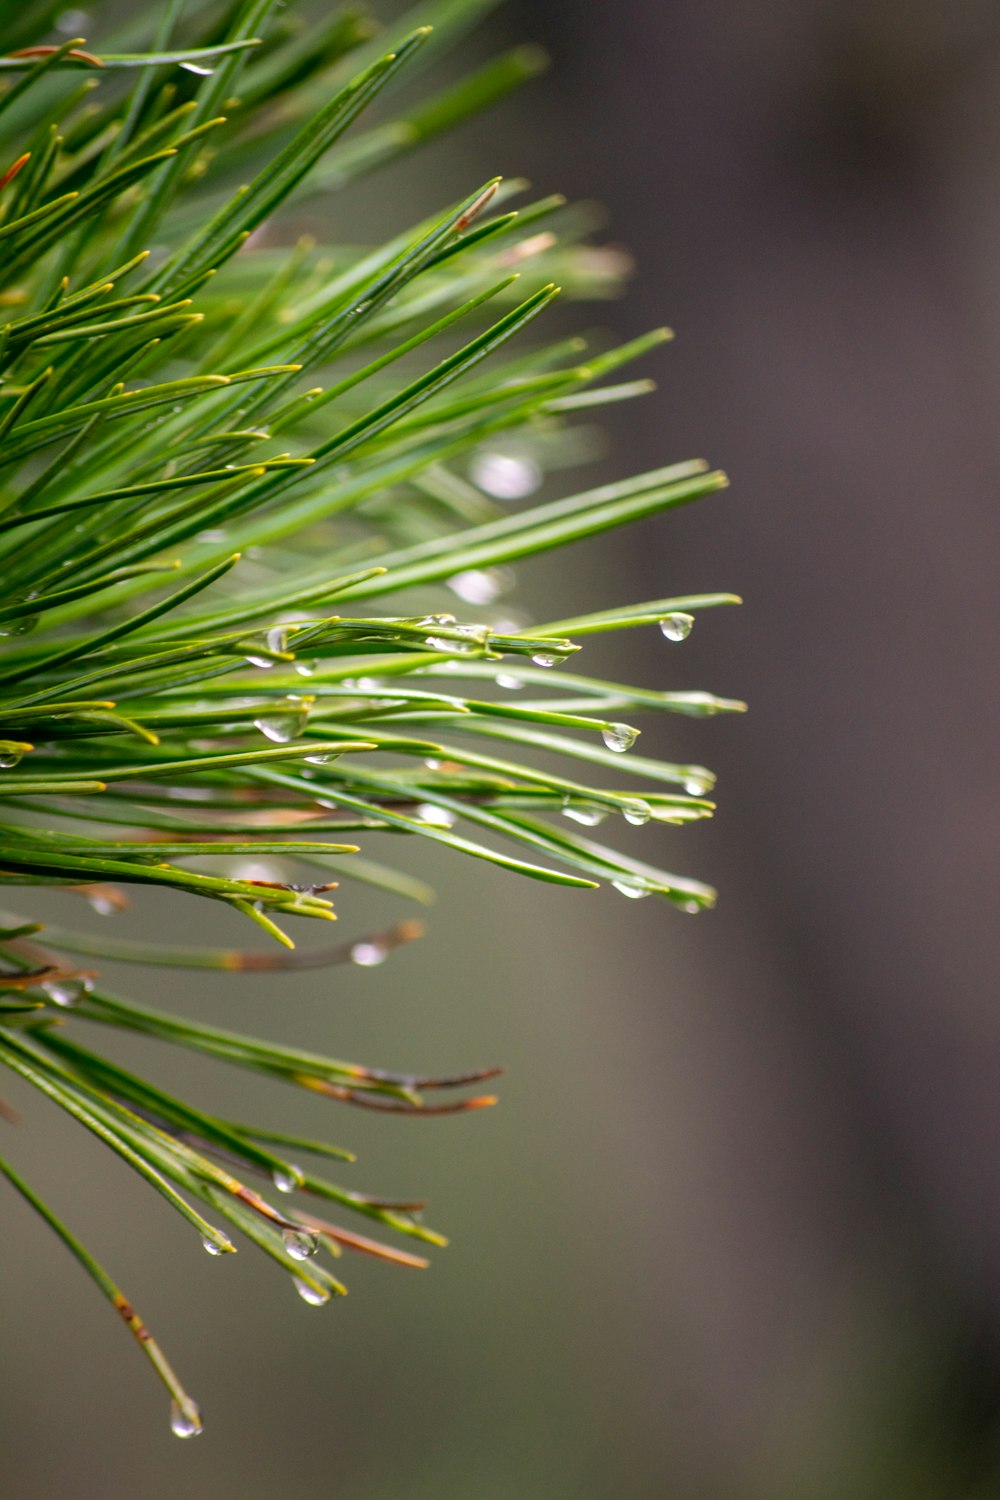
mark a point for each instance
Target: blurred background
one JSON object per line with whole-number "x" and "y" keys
{"x": 734, "y": 1233}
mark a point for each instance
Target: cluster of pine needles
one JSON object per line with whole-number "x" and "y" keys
{"x": 240, "y": 480}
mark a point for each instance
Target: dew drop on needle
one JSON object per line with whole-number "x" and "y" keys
{"x": 619, "y": 737}
{"x": 185, "y": 1420}
{"x": 316, "y": 1296}
{"x": 677, "y": 626}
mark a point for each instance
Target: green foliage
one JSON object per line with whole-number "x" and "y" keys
{"x": 234, "y": 479}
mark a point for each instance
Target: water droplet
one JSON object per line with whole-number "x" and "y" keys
{"x": 506, "y": 476}
{"x": 285, "y": 724}
{"x": 476, "y": 585}
{"x": 67, "y": 992}
{"x": 287, "y": 1179}
{"x": 316, "y": 1296}
{"x": 323, "y": 757}
{"x": 214, "y": 1248}
{"x": 473, "y": 637}
{"x": 630, "y": 889}
{"x": 619, "y": 737}
{"x": 468, "y": 637}
{"x": 9, "y": 758}
{"x": 693, "y": 907}
{"x": 306, "y": 668}
{"x": 300, "y": 1243}
{"x": 258, "y": 871}
{"x": 696, "y": 786}
{"x": 505, "y": 680}
{"x": 548, "y": 658}
{"x": 276, "y": 639}
{"x": 104, "y": 904}
{"x": 510, "y": 623}
{"x": 441, "y": 817}
{"x": 367, "y": 955}
{"x": 190, "y": 67}
{"x": 637, "y": 813}
{"x": 185, "y": 1421}
{"x": 20, "y": 625}
{"x": 73, "y": 23}
{"x": 264, "y": 662}
{"x": 677, "y": 627}
{"x": 588, "y": 816}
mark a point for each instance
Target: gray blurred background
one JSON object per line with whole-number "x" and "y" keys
{"x": 734, "y": 1233}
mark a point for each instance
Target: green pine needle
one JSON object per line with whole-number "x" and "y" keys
{"x": 219, "y": 645}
